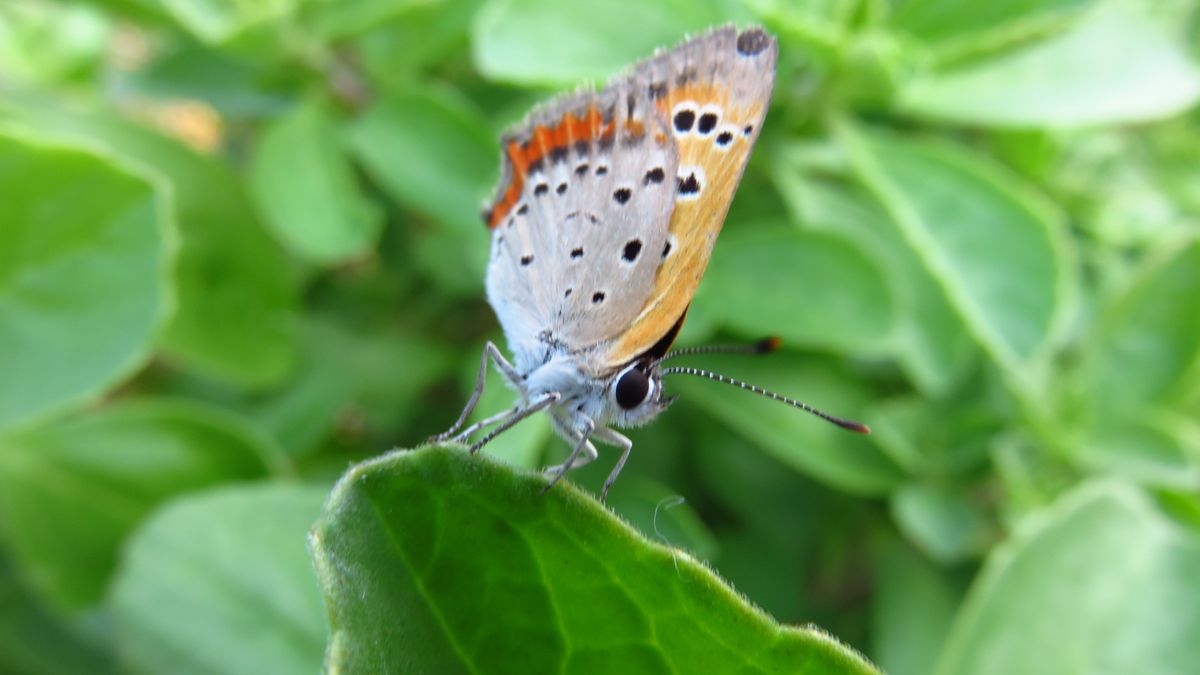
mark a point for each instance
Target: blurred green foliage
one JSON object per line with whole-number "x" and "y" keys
{"x": 240, "y": 250}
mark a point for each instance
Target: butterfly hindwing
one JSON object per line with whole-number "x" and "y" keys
{"x": 586, "y": 196}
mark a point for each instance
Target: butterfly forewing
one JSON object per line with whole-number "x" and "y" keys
{"x": 610, "y": 202}
{"x": 714, "y": 95}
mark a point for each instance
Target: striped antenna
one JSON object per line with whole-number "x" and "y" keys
{"x": 843, "y": 423}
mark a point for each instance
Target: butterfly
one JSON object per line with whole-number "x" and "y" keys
{"x": 605, "y": 216}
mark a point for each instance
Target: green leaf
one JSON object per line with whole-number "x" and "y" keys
{"x": 812, "y": 289}
{"x": 1119, "y": 64}
{"x": 429, "y": 35}
{"x": 1146, "y": 347}
{"x": 373, "y": 377}
{"x": 563, "y": 584}
{"x": 945, "y": 522}
{"x": 913, "y": 607}
{"x": 223, "y": 21}
{"x": 547, "y": 42}
{"x": 70, "y": 493}
{"x": 434, "y": 154}
{"x": 941, "y": 21}
{"x": 338, "y": 19}
{"x": 219, "y": 583}
{"x": 84, "y": 274}
{"x": 930, "y": 341}
{"x": 1149, "y": 447}
{"x": 991, "y": 243}
{"x": 831, "y": 454}
{"x": 235, "y": 293}
{"x": 34, "y": 641}
{"x": 306, "y": 189}
{"x": 192, "y": 71}
{"x": 1101, "y": 583}
{"x": 47, "y": 44}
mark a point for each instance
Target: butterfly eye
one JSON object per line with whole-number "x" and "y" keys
{"x": 633, "y": 387}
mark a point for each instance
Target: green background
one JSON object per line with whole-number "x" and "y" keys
{"x": 240, "y": 251}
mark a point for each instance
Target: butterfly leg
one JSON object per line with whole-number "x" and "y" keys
{"x": 464, "y": 435}
{"x": 490, "y": 352}
{"x": 539, "y": 403}
{"x": 610, "y": 436}
{"x": 583, "y": 445}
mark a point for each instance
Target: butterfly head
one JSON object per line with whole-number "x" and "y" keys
{"x": 634, "y": 396}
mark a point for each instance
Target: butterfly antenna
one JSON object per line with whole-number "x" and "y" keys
{"x": 763, "y": 346}
{"x": 843, "y": 423}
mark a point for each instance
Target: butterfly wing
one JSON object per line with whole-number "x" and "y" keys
{"x": 586, "y": 194}
{"x": 714, "y": 91}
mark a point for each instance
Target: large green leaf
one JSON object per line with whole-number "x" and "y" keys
{"x": 1102, "y": 583}
{"x": 71, "y": 492}
{"x": 1119, "y": 64}
{"x": 436, "y": 561}
{"x": 989, "y": 241}
{"x": 84, "y": 265}
{"x": 219, "y": 583}
{"x": 35, "y": 641}
{"x": 307, "y": 191}
{"x": 929, "y": 339}
{"x": 235, "y": 293}
{"x": 548, "y": 42}
{"x": 812, "y": 289}
{"x": 913, "y": 607}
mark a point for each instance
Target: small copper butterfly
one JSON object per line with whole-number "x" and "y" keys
{"x": 607, "y": 209}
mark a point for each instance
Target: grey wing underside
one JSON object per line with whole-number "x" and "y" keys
{"x": 574, "y": 259}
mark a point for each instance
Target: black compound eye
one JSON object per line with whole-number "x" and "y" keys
{"x": 632, "y": 388}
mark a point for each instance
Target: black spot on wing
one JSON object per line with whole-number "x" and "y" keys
{"x": 597, "y": 297}
{"x": 689, "y": 185}
{"x": 526, "y": 260}
{"x": 684, "y": 119}
{"x": 752, "y": 42}
{"x": 724, "y": 138}
{"x": 708, "y": 122}
{"x": 540, "y": 189}
{"x": 577, "y": 253}
{"x": 632, "y": 248}
{"x": 655, "y": 175}
{"x": 561, "y": 189}
{"x": 622, "y": 195}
